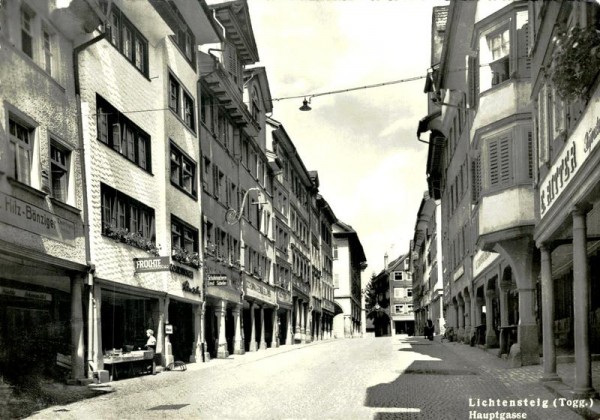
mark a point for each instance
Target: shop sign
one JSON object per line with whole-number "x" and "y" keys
{"x": 7, "y": 291}
{"x": 257, "y": 290}
{"x": 168, "y": 329}
{"x": 217, "y": 280}
{"x": 328, "y": 306}
{"x": 193, "y": 290}
{"x": 482, "y": 260}
{"x": 458, "y": 273}
{"x": 284, "y": 296}
{"x": 33, "y": 219}
{"x": 180, "y": 270}
{"x": 151, "y": 264}
{"x": 584, "y": 140}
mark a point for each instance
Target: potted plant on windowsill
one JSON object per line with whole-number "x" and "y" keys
{"x": 131, "y": 238}
{"x": 575, "y": 61}
{"x": 186, "y": 257}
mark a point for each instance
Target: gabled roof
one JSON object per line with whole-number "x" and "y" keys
{"x": 346, "y": 231}
{"x": 235, "y": 18}
{"x": 265, "y": 90}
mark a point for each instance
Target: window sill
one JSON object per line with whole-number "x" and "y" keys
{"x": 26, "y": 187}
{"x": 65, "y": 206}
{"x": 184, "y": 191}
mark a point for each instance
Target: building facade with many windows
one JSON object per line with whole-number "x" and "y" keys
{"x": 43, "y": 247}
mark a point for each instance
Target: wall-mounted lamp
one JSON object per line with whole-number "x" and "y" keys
{"x": 305, "y": 106}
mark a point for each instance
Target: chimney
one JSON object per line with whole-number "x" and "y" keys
{"x": 385, "y": 261}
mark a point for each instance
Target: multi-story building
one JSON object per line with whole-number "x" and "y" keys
{"x": 326, "y": 220}
{"x": 401, "y": 295}
{"x": 43, "y": 251}
{"x": 138, "y": 86}
{"x": 237, "y": 179}
{"x": 566, "y": 113}
{"x": 426, "y": 269}
{"x": 480, "y": 156}
{"x": 295, "y": 191}
{"x": 349, "y": 261}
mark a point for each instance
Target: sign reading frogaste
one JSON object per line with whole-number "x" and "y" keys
{"x": 576, "y": 151}
{"x": 21, "y": 214}
{"x": 151, "y": 264}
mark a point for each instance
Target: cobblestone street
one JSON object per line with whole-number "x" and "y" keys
{"x": 371, "y": 378}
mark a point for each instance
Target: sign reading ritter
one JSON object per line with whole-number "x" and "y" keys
{"x": 150, "y": 264}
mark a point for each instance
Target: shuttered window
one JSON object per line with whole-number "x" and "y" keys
{"x": 473, "y": 76}
{"x": 530, "y": 155}
{"x": 499, "y": 159}
{"x": 476, "y": 177}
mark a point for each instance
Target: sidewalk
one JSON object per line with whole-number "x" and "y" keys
{"x": 71, "y": 394}
{"x": 525, "y": 381}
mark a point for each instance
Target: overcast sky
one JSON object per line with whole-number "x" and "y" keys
{"x": 362, "y": 143}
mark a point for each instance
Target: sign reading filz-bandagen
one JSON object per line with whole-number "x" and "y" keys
{"x": 151, "y": 264}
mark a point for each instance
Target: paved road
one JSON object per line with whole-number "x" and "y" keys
{"x": 371, "y": 378}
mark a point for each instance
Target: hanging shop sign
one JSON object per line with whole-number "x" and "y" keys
{"x": 168, "y": 329}
{"x": 28, "y": 217}
{"x": 583, "y": 142}
{"x": 7, "y": 291}
{"x": 151, "y": 264}
{"x": 217, "y": 280}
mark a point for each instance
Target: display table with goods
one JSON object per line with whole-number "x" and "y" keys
{"x": 130, "y": 363}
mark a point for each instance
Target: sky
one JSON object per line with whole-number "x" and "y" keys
{"x": 362, "y": 143}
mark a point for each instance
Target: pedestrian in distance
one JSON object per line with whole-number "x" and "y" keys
{"x": 429, "y": 330}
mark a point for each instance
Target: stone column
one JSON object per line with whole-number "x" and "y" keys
{"x": 197, "y": 351}
{"x": 253, "y": 344}
{"x": 77, "y": 349}
{"x": 504, "y": 289}
{"x": 347, "y": 326}
{"x": 491, "y": 340}
{"x": 221, "y": 312}
{"x": 263, "y": 342}
{"x": 298, "y": 328}
{"x": 309, "y": 325}
{"x": 461, "y": 319}
{"x": 275, "y": 335}
{"x": 467, "y": 316}
{"x": 288, "y": 333}
{"x": 548, "y": 315}
{"x": 97, "y": 357}
{"x": 581, "y": 305}
{"x": 205, "y": 353}
{"x": 161, "y": 345}
{"x": 238, "y": 343}
{"x": 303, "y": 323}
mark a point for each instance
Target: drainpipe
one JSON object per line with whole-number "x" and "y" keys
{"x": 86, "y": 217}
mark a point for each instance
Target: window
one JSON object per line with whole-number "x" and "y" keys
{"x": 183, "y": 236}
{"x": 397, "y": 275}
{"x": 398, "y": 292}
{"x": 59, "y": 170}
{"x": 499, "y": 46}
{"x": 118, "y": 132}
{"x": 398, "y": 309}
{"x": 125, "y": 37}
{"x": 26, "y": 32}
{"x": 183, "y": 171}
{"x": 21, "y": 150}
{"x": 181, "y": 102}
{"x": 408, "y": 292}
{"x": 184, "y": 38}
{"x": 335, "y": 251}
{"x": 47, "y": 41}
{"x": 123, "y": 212}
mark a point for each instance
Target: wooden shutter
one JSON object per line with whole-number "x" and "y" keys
{"x": 476, "y": 178}
{"x": 505, "y": 161}
{"x": 493, "y": 161}
{"x": 530, "y": 154}
{"x": 473, "y": 80}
